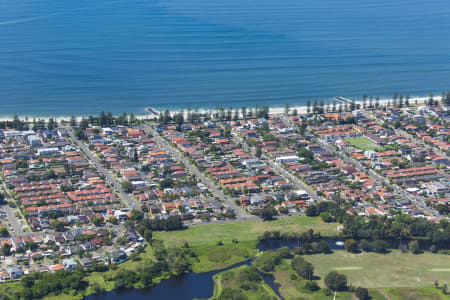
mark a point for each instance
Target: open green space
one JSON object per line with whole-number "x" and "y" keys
{"x": 205, "y": 239}
{"x": 236, "y": 280}
{"x": 395, "y": 275}
{"x": 243, "y": 231}
{"x": 395, "y": 269}
{"x": 419, "y": 293}
{"x": 363, "y": 143}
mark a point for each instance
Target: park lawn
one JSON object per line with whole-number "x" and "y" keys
{"x": 228, "y": 279}
{"x": 395, "y": 269}
{"x": 363, "y": 143}
{"x": 243, "y": 231}
{"x": 418, "y": 293}
{"x": 210, "y": 256}
{"x": 215, "y": 257}
{"x": 295, "y": 289}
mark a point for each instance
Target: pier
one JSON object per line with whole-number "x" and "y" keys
{"x": 345, "y": 100}
{"x": 152, "y": 111}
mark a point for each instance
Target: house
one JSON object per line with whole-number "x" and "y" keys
{"x": 55, "y": 268}
{"x": 14, "y": 272}
{"x": 4, "y": 275}
{"x": 69, "y": 264}
{"x": 33, "y": 140}
{"x": 256, "y": 200}
{"x": 290, "y": 158}
{"x": 253, "y": 163}
{"x": 86, "y": 262}
{"x": 118, "y": 256}
{"x": 48, "y": 151}
{"x": 132, "y": 236}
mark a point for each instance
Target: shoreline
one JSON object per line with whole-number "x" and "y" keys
{"x": 273, "y": 110}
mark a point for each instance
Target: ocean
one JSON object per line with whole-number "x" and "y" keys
{"x": 62, "y": 58}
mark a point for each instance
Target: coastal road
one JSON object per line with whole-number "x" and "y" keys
{"x": 132, "y": 203}
{"x": 176, "y": 154}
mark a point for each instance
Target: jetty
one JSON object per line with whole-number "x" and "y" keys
{"x": 345, "y": 100}
{"x": 152, "y": 111}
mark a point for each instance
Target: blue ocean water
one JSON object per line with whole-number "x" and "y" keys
{"x": 81, "y": 57}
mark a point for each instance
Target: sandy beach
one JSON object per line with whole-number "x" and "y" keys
{"x": 273, "y": 110}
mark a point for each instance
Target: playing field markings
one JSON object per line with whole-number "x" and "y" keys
{"x": 440, "y": 270}
{"x": 348, "y": 268}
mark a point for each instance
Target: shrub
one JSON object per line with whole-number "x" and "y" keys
{"x": 336, "y": 281}
{"x": 362, "y": 293}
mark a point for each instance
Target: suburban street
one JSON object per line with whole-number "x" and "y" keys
{"x": 132, "y": 203}
{"x": 176, "y": 154}
{"x": 279, "y": 169}
{"x": 375, "y": 176}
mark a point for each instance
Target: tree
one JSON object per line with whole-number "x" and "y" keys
{"x": 6, "y": 250}
{"x": 312, "y": 286}
{"x": 335, "y": 281}
{"x": 102, "y": 118}
{"x": 311, "y": 211}
{"x": 286, "y": 109}
{"x": 362, "y": 293}
{"x": 57, "y": 225}
{"x": 430, "y": 99}
{"x": 135, "y": 156}
{"x": 73, "y": 121}
{"x": 394, "y": 99}
{"x": 351, "y": 245}
{"x": 379, "y": 246}
{"x": 148, "y": 235}
{"x": 284, "y": 252}
{"x": 127, "y": 186}
{"x": 308, "y": 106}
{"x": 97, "y": 221}
{"x": 323, "y": 247}
{"x": 414, "y": 246}
{"x": 302, "y": 267}
{"x": 268, "y": 213}
{"x": 258, "y": 152}
{"x": 79, "y": 133}
{"x": 326, "y": 217}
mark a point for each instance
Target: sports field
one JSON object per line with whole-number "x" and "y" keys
{"x": 395, "y": 269}
{"x": 363, "y": 143}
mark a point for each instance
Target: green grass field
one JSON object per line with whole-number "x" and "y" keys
{"x": 243, "y": 231}
{"x": 421, "y": 293}
{"x": 397, "y": 275}
{"x": 395, "y": 269}
{"x": 229, "y": 279}
{"x": 204, "y": 238}
{"x": 363, "y": 143}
